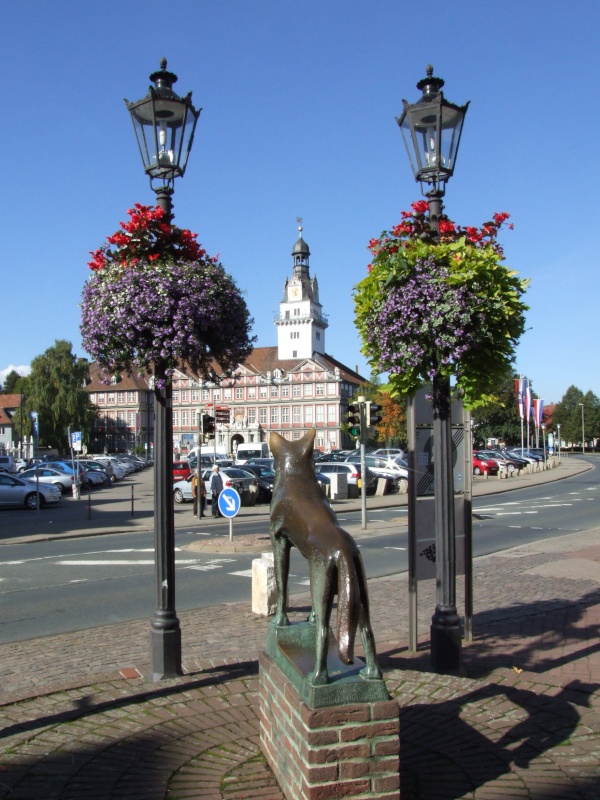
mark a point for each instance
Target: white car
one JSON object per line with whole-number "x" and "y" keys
{"x": 15, "y": 491}
{"x": 47, "y": 475}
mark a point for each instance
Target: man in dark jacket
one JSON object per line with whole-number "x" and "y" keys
{"x": 216, "y": 487}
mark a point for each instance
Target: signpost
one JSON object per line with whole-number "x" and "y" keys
{"x": 229, "y": 505}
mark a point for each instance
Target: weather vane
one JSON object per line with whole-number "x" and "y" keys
{"x": 299, "y": 221}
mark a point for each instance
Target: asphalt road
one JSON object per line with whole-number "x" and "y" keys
{"x": 55, "y": 586}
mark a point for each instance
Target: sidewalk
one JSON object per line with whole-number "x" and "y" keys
{"x": 521, "y": 721}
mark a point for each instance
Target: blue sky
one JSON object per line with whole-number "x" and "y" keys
{"x": 299, "y": 100}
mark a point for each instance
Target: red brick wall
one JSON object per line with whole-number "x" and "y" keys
{"x": 340, "y": 751}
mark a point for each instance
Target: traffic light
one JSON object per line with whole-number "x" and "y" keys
{"x": 223, "y": 415}
{"x": 354, "y": 420}
{"x": 374, "y": 415}
{"x": 208, "y": 425}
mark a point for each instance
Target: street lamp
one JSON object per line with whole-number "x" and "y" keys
{"x": 164, "y": 125}
{"x": 431, "y": 129}
{"x": 582, "y": 429}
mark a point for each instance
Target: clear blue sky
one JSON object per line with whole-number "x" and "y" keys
{"x": 299, "y": 100}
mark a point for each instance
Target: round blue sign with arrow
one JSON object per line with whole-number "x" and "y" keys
{"x": 229, "y": 502}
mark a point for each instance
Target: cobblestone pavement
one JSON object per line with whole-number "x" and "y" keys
{"x": 522, "y": 720}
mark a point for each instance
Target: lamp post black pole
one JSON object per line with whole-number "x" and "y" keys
{"x": 164, "y": 125}
{"x": 165, "y": 630}
{"x": 431, "y": 129}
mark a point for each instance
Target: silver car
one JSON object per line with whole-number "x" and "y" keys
{"x": 47, "y": 475}
{"x": 19, "y": 492}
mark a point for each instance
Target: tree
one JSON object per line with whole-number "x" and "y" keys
{"x": 392, "y": 428}
{"x": 56, "y": 392}
{"x": 10, "y": 382}
{"x": 499, "y": 419}
{"x": 567, "y": 414}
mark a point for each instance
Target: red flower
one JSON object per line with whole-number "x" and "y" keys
{"x": 501, "y": 217}
{"x": 153, "y": 256}
{"x": 446, "y": 226}
{"x": 420, "y": 206}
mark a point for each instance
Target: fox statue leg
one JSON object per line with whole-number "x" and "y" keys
{"x": 281, "y": 563}
{"x": 371, "y": 670}
{"x": 322, "y": 587}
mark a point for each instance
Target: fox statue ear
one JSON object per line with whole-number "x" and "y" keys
{"x": 276, "y": 442}
{"x": 307, "y": 442}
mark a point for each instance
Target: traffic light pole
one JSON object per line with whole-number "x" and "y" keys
{"x": 362, "y": 405}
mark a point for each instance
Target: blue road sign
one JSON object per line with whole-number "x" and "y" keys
{"x": 229, "y": 502}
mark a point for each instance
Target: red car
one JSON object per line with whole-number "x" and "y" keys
{"x": 181, "y": 470}
{"x": 482, "y": 465}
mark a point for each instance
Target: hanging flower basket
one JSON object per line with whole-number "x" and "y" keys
{"x": 156, "y": 301}
{"x": 440, "y": 308}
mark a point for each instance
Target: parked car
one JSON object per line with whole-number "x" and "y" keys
{"x": 16, "y": 491}
{"x": 7, "y": 464}
{"x": 117, "y": 469}
{"x": 265, "y": 478}
{"x": 530, "y": 456}
{"x": 243, "y": 482}
{"x": 71, "y": 468}
{"x": 510, "y": 464}
{"x": 181, "y": 469}
{"x": 352, "y": 472}
{"x": 483, "y": 465}
{"x": 47, "y": 475}
{"x": 389, "y": 452}
{"x": 383, "y": 467}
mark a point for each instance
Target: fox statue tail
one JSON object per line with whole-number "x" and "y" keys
{"x": 349, "y": 604}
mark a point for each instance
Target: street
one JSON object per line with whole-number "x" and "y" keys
{"x": 55, "y": 586}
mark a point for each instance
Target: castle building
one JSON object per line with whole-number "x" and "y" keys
{"x": 289, "y": 388}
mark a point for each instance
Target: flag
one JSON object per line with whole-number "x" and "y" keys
{"x": 528, "y": 398}
{"x": 520, "y": 386}
{"x": 538, "y": 407}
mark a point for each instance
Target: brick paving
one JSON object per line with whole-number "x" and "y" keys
{"x": 522, "y": 720}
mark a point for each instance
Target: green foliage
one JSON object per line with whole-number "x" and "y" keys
{"x": 56, "y": 392}
{"x": 568, "y": 414}
{"x": 499, "y": 418}
{"x": 10, "y": 382}
{"x": 447, "y": 308}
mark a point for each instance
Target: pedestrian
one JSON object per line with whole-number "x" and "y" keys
{"x": 194, "y": 482}
{"x": 216, "y": 487}
{"x": 202, "y": 487}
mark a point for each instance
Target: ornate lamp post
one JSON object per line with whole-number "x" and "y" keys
{"x": 164, "y": 125}
{"x": 431, "y": 129}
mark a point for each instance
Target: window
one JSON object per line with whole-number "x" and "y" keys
{"x": 297, "y": 434}
{"x": 320, "y": 413}
{"x": 120, "y": 397}
{"x": 296, "y": 414}
{"x": 121, "y": 416}
{"x": 308, "y": 414}
{"x": 294, "y": 354}
{"x": 216, "y": 395}
{"x": 251, "y": 392}
{"x": 176, "y": 419}
{"x": 274, "y": 415}
{"x": 205, "y": 394}
{"x": 318, "y": 336}
{"x": 296, "y": 312}
{"x": 175, "y": 395}
{"x": 101, "y": 397}
{"x": 331, "y": 389}
{"x": 227, "y": 394}
{"x": 274, "y": 391}
{"x": 320, "y": 390}
{"x": 195, "y": 395}
{"x": 185, "y": 418}
{"x": 331, "y": 415}
{"x": 285, "y": 414}
{"x": 239, "y": 394}
{"x": 296, "y": 390}
{"x": 262, "y": 416}
{"x": 131, "y": 397}
{"x": 308, "y": 390}
{"x": 185, "y": 396}
{"x": 195, "y": 419}
{"x": 320, "y": 440}
{"x": 131, "y": 419}
{"x": 251, "y": 416}
{"x": 111, "y": 397}
{"x": 263, "y": 391}
{"x": 294, "y": 334}
{"x": 285, "y": 391}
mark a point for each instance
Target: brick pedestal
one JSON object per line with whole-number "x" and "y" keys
{"x": 349, "y": 750}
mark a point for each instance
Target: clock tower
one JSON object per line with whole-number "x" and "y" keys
{"x": 300, "y": 324}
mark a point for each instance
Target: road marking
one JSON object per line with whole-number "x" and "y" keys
{"x": 394, "y": 548}
{"x": 118, "y": 562}
{"x": 243, "y": 573}
{"x": 205, "y": 567}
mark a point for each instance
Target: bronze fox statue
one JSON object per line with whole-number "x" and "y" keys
{"x": 302, "y": 516}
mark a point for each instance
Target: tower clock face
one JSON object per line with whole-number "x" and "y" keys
{"x": 295, "y": 293}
